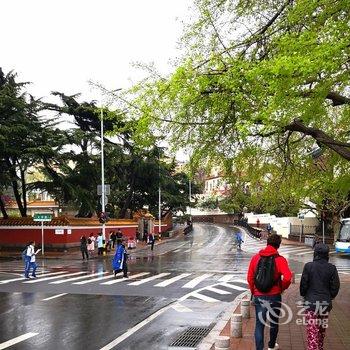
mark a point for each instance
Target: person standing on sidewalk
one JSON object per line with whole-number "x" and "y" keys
{"x": 83, "y": 247}
{"x": 91, "y": 245}
{"x": 99, "y": 241}
{"x": 268, "y": 276}
{"x": 319, "y": 284}
{"x": 151, "y": 240}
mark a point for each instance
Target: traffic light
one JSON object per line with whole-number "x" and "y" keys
{"x": 103, "y": 218}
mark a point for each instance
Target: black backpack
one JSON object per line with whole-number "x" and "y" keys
{"x": 264, "y": 278}
{"x": 89, "y": 241}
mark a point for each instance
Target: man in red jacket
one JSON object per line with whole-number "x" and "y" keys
{"x": 270, "y": 300}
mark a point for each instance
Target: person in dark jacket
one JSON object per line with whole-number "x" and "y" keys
{"x": 270, "y": 301}
{"x": 83, "y": 247}
{"x": 319, "y": 285}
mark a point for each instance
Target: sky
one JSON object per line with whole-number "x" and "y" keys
{"x": 59, "y": 45}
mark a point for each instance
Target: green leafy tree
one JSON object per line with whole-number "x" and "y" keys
{"x": 269, "y": 80}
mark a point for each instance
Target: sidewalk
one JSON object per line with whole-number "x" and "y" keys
{"x": 292, "y": 336}
{"x": 75, "y": 253}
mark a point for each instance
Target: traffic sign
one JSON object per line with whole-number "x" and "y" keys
{"x": 42, "y": 217}
{"x": 106, "y": 200}
{"x": 107, "y": 190}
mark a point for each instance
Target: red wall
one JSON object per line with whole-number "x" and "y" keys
{"x": 20, "y": 235}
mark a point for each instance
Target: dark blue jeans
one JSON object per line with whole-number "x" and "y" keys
{"x": 267, "y": 305}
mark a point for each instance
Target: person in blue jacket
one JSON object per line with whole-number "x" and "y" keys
{"x": 119, "y": 262}
{"x": 238, "y": 240}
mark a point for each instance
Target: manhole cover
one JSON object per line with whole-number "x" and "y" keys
{"x": 190, "y": 338}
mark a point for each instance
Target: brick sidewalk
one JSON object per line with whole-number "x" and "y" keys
{"x": 292, "y": 336}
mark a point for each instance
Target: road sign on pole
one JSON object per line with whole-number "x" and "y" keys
{"x": 42, "y": 217}
{"x": 106, "y": 200}
{"x": 107, "y": 190}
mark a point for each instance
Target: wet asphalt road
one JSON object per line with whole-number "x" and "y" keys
{"x": 185, "y": 282}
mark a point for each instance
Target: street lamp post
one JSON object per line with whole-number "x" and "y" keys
{"x": 103, "y": 177}
{"x": 189, "y": 196}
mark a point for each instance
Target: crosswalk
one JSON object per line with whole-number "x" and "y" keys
{"x": 217, "y": 283}
{"x": 254, "y": 246}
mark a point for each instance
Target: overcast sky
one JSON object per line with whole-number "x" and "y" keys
{"x": 62, "y": 44}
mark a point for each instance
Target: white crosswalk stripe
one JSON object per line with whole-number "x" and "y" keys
{"x": 226, "y": 278}
{"x": 97, "y": 279}
{"x": 204, "y": 297}
{"x": 218, "y": 291}
{"x": 172, "y": 280}
{"x": 54, "y": 277}
{"x": 39, "y": 277}
{"x": 125, "y": 279}
{"x": 78, "y": 278}
{"x": 231, "y": 286}
{"x": 137, "y": 283}
{"x": 193, "y": 283}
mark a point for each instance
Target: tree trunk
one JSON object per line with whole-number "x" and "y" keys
{"x": 3, "y": 209}
{"x": 22, "y": 210}
{"x": 24, "y": 192}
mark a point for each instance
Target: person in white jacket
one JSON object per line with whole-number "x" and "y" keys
{"x": 30, "y": 260}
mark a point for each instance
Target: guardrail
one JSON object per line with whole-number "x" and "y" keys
{"x": 256, "y": 233}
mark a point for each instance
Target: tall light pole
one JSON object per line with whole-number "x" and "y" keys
{"x": 103, "y": 209}
{"x": 159, "y": 200}
{"x": 190, "y": 195}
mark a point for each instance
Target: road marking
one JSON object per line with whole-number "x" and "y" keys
{"x": 310, "y": 252}
{"x": 294, "y": 251}
{"x": 233, "y": 286}
{"x": 218, "y": 291}
{"x": 134, "y": 329}
{"x": 51, "y": 278}
{"x": 288, "y": 250}
{"x": 226, "y": 278}
{"x": 137, "y": 283}
{"x": 22, "y": 278}
{"x": 94, "y": 280}
{"x": 125, "y": 279}
{"x": 204, "y": 297}
{"x": 78, "y": 278}
{"x": 55, "y": 296}
{"x": 16, "y": 340}
{"x": 188, "y": 250}
{"x": 197, "y": 280}
{"x": 239, "y": 280}
{"x": 181, "y": 308}
{"x": 177, "y": 250}
{"x": 172, "y": 280}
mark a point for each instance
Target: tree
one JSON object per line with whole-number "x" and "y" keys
{"x": 24, "y": 138}
{"x": 268, "y": 74}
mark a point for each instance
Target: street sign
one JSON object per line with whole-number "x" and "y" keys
{"x": 42, "y": 217}
{"x": 106, "y": 200}
{"x": 107, "y": 190}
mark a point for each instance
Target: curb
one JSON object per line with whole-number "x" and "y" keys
{"x": 209, "y": 341}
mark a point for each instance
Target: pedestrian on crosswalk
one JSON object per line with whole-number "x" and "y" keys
{"x": 319, "y": 284}
{"x": 119, "y": 262}
{"x": 30, "y": 260}
{"x": 268, "y": 276}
